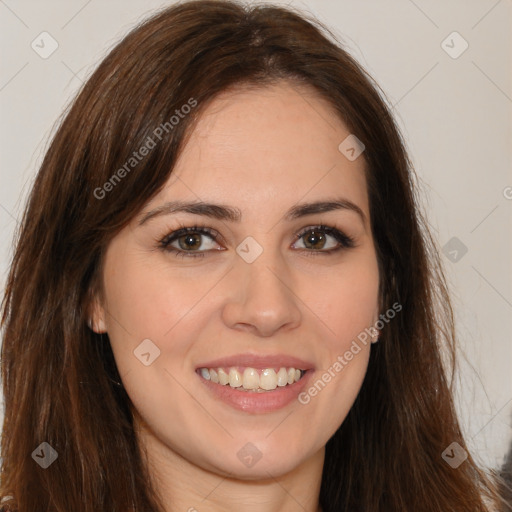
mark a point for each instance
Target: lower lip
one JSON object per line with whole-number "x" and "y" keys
{"x": 254, "y": 402}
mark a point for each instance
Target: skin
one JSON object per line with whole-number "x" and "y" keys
{"x": 262, "y": 151}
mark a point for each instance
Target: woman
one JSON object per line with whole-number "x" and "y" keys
{"x": 224, "y": 295}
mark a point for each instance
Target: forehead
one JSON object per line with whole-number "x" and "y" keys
{"x": 253, "y": 147}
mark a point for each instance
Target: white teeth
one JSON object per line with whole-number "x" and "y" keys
{"x": 252, "y": 379}
{"x": 268, "y": 379}
{"x": 282, "y": 377}
{"x": 223, "y": 377}
{"x": 235, "y": 379}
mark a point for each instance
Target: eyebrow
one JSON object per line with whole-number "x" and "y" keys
{"x": 229, "y": 213}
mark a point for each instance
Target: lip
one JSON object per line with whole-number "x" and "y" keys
{"x": 254, "y": 402}
{"x": 259, "y": 362}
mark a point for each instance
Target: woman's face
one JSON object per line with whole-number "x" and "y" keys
{"x": 263, "y": 289}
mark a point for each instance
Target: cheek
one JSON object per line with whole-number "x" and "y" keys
{"x": 346, "y": 300}
{"x": 336, "y": 387}
{"x": 143, "y": 298}
{"x": 347, "y": 306}
{"x": 145, "y": 303}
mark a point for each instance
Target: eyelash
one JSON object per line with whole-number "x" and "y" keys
{"x": 345, "y": 241}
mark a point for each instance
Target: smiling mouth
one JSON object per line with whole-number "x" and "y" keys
{"x": 251, "y": 379}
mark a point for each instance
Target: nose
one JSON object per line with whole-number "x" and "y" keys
{"x": 261, "y": 299}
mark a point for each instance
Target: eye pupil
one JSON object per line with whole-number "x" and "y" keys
{"x": 314, "y": 238}
{"x": 191, "y": 241}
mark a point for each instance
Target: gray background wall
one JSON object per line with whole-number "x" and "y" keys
{"x": 453, "y": 104}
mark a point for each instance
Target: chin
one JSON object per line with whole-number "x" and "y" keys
{"x": 259, "y": 461}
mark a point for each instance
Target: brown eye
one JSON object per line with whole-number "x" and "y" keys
{"x": 314, "y": 240}
{"x": 323, "y": 240}
{"x": 189, "y": 241}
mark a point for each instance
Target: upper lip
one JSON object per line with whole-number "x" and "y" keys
{"x": 259, "y": 362}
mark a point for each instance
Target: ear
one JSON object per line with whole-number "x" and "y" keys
{"x": 96, "y": 315}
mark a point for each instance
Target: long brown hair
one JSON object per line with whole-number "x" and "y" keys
{"x": 59, "y": 377}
